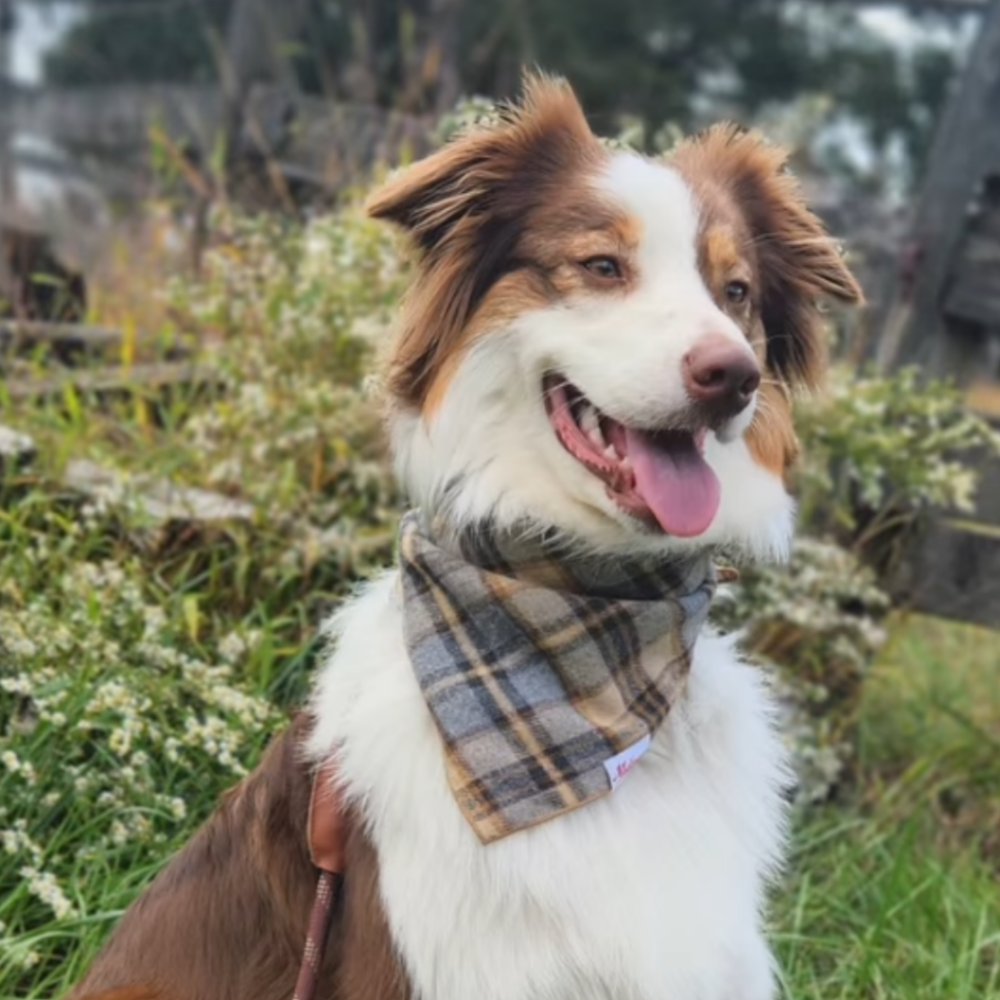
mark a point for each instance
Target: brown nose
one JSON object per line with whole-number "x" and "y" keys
{"x": 721, "y": 377}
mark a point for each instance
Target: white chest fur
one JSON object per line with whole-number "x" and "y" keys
{"x": 653, "y": 893}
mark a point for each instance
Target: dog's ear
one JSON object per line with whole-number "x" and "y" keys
{"x": 484, "y": 170}
{"x": 466, "y": 208}
{"x": 799, "y": 264}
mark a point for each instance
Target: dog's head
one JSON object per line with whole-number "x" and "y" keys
{"x": 604, "y": 343}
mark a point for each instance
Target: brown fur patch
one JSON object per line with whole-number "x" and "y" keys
{"x": 130, "y": 993}
{"x": 513, "y": 295}
{"x": 720, "y": 256}
{"x": 771, "y": 437}
{"x": 227, "y": 918}
{"x": 756, "y": 227}
{"x": 501, "y": 219}
{"x": 549, "y": 251}
{"x": 724, "y": 256}
{"x": 741, "y": 180}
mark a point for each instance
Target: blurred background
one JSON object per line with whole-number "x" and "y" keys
{"x": 99, "y": 99}
{"x": 320, "y": 90}
{"x": 193, "y": 475}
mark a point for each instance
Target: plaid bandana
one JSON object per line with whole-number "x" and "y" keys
{"x": 547, "y": 676}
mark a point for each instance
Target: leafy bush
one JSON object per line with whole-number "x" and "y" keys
{"x": 816, "y": 624}
{"x": 880, "y": 451}
{"x": 118, "y": 718}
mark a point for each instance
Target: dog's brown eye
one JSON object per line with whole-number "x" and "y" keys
{"x": 737, "y": 292}
{"x": 605, "y": 268}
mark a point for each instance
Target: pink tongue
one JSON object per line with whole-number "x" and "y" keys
{"x": 674, "y": 480}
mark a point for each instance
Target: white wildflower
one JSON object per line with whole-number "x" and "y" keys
{"x": 44, "y": 886}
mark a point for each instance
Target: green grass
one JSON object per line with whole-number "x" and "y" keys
{"x": 875, "y": 912}
{"x": 895, "y": 892}
{"x": 144, "y": 663}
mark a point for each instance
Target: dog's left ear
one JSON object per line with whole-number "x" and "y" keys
{"x": 798, "y": 262}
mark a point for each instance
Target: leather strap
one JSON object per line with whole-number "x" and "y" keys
{"x": 327, "y": 836}
{"x": 327, "y": 822}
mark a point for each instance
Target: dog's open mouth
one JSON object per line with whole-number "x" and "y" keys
{"x": 660, "y": 477}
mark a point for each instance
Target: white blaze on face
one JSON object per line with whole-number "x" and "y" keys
{"x": 663, "y": 204}
{"x": 670, "y": 285}
{"x": 625, "y": 348}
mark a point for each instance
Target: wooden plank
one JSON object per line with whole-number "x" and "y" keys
{"x": 76, "y": 344}
{"x": 987, "y": 510}
{"x": 325, "y": 144}
{"x": 69, "y": 342}
{"x": 115, "y": 118}
{"x": 974, "y": 300}
{"x": 8, "y": 175}
{"x": 159, "y": 500}
{"x": 952, "y": 570}
{"x": 149, "y": 380}
{"x": 981, "y": 250}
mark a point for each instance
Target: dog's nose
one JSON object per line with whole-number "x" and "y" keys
{"x": 721, "y": 377}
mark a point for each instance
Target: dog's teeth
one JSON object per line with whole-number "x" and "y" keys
{"x": 591, "y": 426}
{"x": 610, "y": 452}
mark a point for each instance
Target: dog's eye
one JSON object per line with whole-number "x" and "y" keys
{"x": 737, "y": 292}
{"x": 605, "y": 268}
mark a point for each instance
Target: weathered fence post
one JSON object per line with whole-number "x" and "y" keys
{"x": 8, "y": 176}
{"x": 966, "y": 149}
{"x": 258, "y": 37}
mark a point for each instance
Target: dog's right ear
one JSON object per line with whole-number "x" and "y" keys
{"x": 428, "y": 197}
{"x": 481, "y": 172}
{"x": 466, "y": 208}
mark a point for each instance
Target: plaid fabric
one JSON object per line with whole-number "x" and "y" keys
{"x": 539, "y": 668}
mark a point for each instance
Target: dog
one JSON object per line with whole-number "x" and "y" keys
{"x": 597, "y": 346}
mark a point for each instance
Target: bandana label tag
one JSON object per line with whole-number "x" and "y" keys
{"x": 619, "y": 766}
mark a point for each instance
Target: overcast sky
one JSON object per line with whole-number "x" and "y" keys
{"x": 39, "y": 25}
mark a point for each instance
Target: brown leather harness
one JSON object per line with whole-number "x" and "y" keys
{"x": 327, "y": 834}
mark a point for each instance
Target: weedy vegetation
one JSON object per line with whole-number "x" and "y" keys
{"x": 148, "y": 650}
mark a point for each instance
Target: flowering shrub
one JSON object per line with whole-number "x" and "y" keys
{"x": 879, "y": 451}
{"x": 115, "y": 722}
{"x": 141, "y": 663}
{"x": 290, "y": 315}
{"x": 816, "y": 624}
